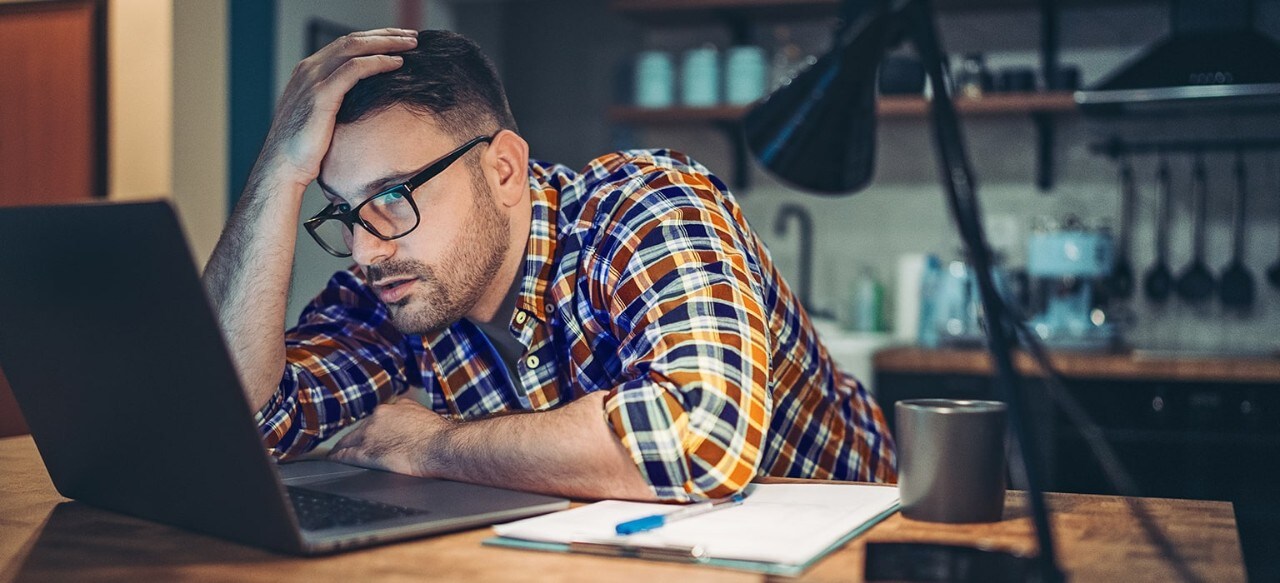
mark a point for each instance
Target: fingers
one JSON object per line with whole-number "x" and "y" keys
{"x": 356, "y": 46}
{"x": 303, "y": 126}
{"x": 349, "y": 73}
{"x": 358, "y": 451}
{"x": 386, "y": 32}
{"x": 340, "y": 51}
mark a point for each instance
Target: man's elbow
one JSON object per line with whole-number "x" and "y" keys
{"x": 631, "y": 487}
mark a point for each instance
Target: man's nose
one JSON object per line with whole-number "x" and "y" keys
{"x": 367, "y": 249}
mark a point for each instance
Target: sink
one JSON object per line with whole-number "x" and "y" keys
{"x": 853, "y": 351}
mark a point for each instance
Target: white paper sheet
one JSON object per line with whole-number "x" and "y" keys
{"x": 786, "y": 524}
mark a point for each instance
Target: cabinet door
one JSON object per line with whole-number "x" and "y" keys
{"x": 51, "y": 116}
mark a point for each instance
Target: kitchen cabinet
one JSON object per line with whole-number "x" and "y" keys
{"x": 656, "y": 10}
{"x": 1202, "y": 428}
{"x": 739, "y": 15}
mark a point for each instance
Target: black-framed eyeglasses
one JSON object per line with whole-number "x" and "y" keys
{"x": 388, "y": 215}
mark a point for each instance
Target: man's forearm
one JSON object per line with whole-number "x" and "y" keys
{"x": 570, "y": 451}
{"x": 247, "y": 280}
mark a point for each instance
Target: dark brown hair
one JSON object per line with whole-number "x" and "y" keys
{"x": 447, "y": 77}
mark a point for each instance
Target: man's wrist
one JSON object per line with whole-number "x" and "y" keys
{"x": 274, "y": 176}
{"x": 436, "y": 442}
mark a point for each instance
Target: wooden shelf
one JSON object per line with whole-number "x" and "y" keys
{"x": 1060, "y": 102}
{"x": 742, "y": 16}
{"x": 1114, "y": 366}
{"x": 992, "y": 104}
{"x": 696, "y": 10}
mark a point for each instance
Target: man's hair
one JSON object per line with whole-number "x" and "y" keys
{"x": 447, "y": 77}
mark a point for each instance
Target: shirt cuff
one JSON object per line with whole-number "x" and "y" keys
{"x": 277, "y": 398}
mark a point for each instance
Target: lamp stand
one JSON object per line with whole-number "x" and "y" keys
{"x": 957, "y": 178}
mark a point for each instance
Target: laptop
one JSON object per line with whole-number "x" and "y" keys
{"x": 133, "y": 401}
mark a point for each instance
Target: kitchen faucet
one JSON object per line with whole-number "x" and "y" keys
{"x": 801, "y": 214}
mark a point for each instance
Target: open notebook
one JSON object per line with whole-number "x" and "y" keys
{"x": 780, "y": 529}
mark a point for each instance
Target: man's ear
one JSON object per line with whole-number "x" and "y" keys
{"x": 506, "y": 164}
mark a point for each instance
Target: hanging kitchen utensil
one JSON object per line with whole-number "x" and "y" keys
{"x": 1273, "y": 274}
{"x": 1236, "y": 287}
{"x": 1196, "y": 282}
{"x": 1120, "y": 282}
{"x": 1158, "y": 282}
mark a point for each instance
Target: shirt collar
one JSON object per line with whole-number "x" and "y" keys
{"x": 540, "y": 253}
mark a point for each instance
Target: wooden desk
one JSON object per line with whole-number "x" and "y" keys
{"x": 43, "y": 537}
{"x": 1087, "y": 365}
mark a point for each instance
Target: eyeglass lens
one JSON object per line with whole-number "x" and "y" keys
{"x": 389, "y": 215}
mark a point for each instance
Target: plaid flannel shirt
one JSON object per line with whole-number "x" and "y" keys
{"x": 642, "y": 279}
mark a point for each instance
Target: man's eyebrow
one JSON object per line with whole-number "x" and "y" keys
{"x": 371, "y": 188}
{"x": 325, "y": 187}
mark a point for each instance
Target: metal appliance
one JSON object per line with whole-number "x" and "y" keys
{"x": 1067, "y": 266}
{"x": 951, "y": 309}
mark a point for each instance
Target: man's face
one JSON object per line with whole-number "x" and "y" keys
{"x": 433, "y": 276}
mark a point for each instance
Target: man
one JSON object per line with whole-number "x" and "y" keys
{"x": 619, "y": 333}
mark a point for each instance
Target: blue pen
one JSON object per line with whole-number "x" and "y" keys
{"x": 659, "y": 520}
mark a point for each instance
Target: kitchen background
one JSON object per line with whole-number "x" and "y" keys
{"x": 189, "y": 86}
{"x": 567, "y": 66}
{"x": 565, "y": 63}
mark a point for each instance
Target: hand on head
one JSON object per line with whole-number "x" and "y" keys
{"x": 305, "y": 115}
{"x": 261, "y": 233}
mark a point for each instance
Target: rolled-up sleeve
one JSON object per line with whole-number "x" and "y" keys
{"x": 343, "y": 358}
{"x": 694, "y": 405}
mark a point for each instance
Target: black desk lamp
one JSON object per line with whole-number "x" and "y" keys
{"x": 818, "y": 133}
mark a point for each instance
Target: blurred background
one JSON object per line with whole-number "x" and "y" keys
{"x": 129, "y": 99}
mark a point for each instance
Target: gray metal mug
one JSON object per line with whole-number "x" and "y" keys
{"x": 951, "y": 462}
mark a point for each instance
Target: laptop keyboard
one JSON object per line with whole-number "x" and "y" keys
{"x": 320, "y": 510}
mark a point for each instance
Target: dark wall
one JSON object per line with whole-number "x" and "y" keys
{"x": 561, "y": 91}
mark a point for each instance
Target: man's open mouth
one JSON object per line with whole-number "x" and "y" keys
{"x": 394, "y": 290}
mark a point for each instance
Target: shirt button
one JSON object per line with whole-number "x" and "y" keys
{"x": 521, "y": 317}
{"x": 532, "y": 361}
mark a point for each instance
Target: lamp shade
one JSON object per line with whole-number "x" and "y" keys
{"x": 818, "y": 132}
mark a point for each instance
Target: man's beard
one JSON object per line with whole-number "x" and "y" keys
{"x": 445, "y": 295}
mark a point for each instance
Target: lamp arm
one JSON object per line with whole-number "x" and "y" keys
{"x": 853, "y": 12}
{"x": 957, "y": 178}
